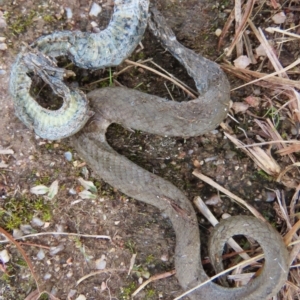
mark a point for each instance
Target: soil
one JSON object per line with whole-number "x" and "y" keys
{"x": 134, "y": 228}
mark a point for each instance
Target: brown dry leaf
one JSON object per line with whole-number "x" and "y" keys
{"x": 242, "y": 62}
{"x": 289, "y": 149}
{"x": 252, "y": 101}
{"x": 262, "y": 159}
{"x": 275, "y": 4}
{"x": 240, "y": 107}
{"x": 279, "y": 18}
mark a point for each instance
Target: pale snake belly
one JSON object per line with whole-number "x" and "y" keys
{"x": 137, "y": 110}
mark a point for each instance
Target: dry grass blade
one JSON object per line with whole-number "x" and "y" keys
{"x": 228, "y": 193}
{"x": 162, "y": 75}
{"x": 226, "y": 29}
{"x": 242, "y": 264}
{"x": 288, "y": 168}
{"x": 61, "y": 233}
{"x": 6, "y": 151}
{"x": 35, "y": 295}
{"x": 263, "y": 160}
{"x": 285, "y": 32}
{"x": 280, "y": 141}
{"x": 289, "y": 150}
{"x": 283, "y": 209}
{"x": 289, "y": 236}
{"x": 294, "y": 200}
{"x": 249, "y": 48}
{"x": 283, "y": 83}
{"x": 269, "y": 51}
{"x": 240, "y": 30}
{"x": 99, "y": 272}
{"x": 3, "y": 165}
{"x": 151, "y": 279}
{"x": 132, "y": 262}
{"x": 20, "y": 249}
{"x": 292, "y": 94}
{"x": 238, "y": 22}
{"x": 204, "y": 210}
{"x": 272, "y": 132}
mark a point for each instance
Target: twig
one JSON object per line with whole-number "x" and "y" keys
{"x": 268, "y": 76}
{"x": 239, "y": 31}
{"x": 99, "y": 272}
{"x": 151, "y": 279}
{"x": 228, "y": 193}
{"x": 29, "y": 264}
{"x": 162, "y": 75}
{"x": 241, "y": 264}
{"x": 60, "y": 233}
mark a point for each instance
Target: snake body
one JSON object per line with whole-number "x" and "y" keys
{"x": 87, "y": 50}
{"x": 152, "y": 114}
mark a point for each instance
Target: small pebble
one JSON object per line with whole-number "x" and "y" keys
{"x": 37, "y": 222}
{"x": 101, "y": 263}
{"x": 218, "y": 32}
{"x": 17, "y": 233}
{"x": 27, "y": 229}
{"x": 4, "y": 256}
{"x": 40, "y": 255}
{"x": 270, "y": 196}
{"x": 69, "y": 13}
{"x": 3, "y": 46}
{"x": 68, "y": 156}
{"x": 47, "y": 276}
{"x": 164, "y": 257}
{"x": 72, "y": 293}
{"x": 72, "y": 191}
{"x": 55, "y": 250}
{"x": 95, "y": 10}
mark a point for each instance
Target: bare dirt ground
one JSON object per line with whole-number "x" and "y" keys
{"x": 134, "y": 228}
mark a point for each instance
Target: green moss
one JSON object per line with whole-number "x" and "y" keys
{"x": 19, "y": 211}
{"x": 150, "y": 294}
{"x": 127, "y": 291}
{"x": 21, "y": 262}
{"x": 20, "y": 23}
{"x": 5, "y": 278}
{"x": 262, "y": 174}
{"x": 48, "y": 18}
{"x": 130, "y": 245}
{"x": 150, "y": 259}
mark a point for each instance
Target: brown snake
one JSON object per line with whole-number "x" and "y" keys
{"x": 134, "y": 109}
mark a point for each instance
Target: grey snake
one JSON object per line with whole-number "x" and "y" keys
{"x": 86, "y": 120}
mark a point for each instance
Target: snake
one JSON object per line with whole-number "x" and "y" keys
{"x": 85, "y": 119}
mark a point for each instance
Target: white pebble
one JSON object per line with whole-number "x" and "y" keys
{"x": 68, "y": 156}
{"x": 4, "y": 256}
{"x": 40, "y": 255}
{"x": 3, "y": 46}
{"x": 55, "y": 250}
{"x": 37, "y": 222}
{"x": 101, "y": 263}
{"x": 95, "y": 10}
{"x": 47, "y": 276}
{"x": 17, "y": 233}
{"x": 218, "y": 32}
{"x": 69, "y": 13}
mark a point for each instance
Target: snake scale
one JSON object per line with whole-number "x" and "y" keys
{"x": 134, "y": 109}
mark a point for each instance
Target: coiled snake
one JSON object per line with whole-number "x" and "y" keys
{"x": 148, "y": 113}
